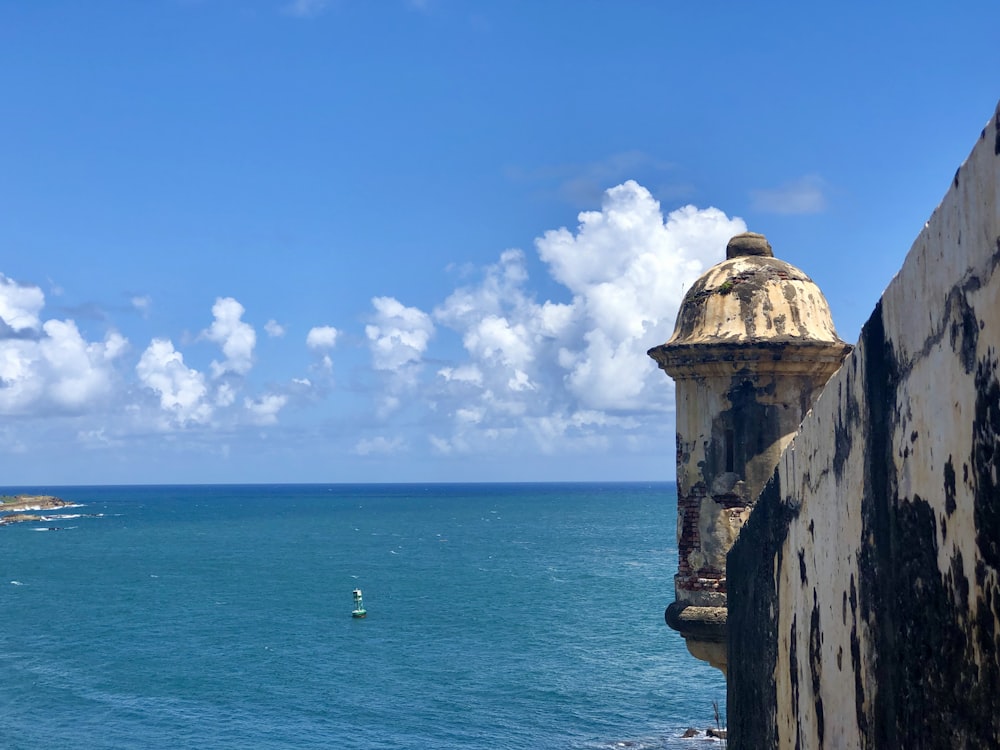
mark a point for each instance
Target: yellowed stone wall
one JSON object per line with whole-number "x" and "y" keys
{"x": 864, "y": 590}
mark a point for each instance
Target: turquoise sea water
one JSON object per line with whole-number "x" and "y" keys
{"x": 499, "y": 616}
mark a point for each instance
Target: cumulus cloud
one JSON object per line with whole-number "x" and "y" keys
{"x": 264, "y": 411}
{"x": 20, "y": 306}
{"x": 569, "y": 373}
{"x": 78, "y": 372}
{"x": 322, "y": 337}
{"x": 398, "y": 335}
{"x": 58, "y": 372}
{"x": 495, "y": 339}
{"x": 628, "y": 270}
{"x": 182, "y": 390}
{"x": 509, "y": 370}
{"x": 236, "y": 338}
{"x": 806, "y": 195}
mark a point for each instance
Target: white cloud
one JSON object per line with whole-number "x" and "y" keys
{"x": 141, "y": 304}
{"x": 464, "y": 374}
{"x": 182, "y": 390}
{"x": 264, "y": 411}
{"x": 379, "y": 446}
{"x": 495, "y": 339}
{"x": 19, "y": 386}
{"x": 571, "y": 373}
{"x": 49, "y": 367}
{"x": 20, "y": 306}
{"x": 440, "y": 445}
{"x": 806, "y": 195}
{"x": 322, "y": 337}
{"x": 78, "y": 372}
{"x": 398, "y": 335}
{"x": 225, "y": 395}
{"x": 628, "y": 269}
{"x": 512, "y": 371}
{"x": 473, "y": 415}
{"x": 59, "y": 372}
{"x": 520, "y": 381}
{"x": 98, "y": 438}
{"x": 236, "y": 338}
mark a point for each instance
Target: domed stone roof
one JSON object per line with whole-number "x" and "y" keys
{"x": 750, "y": 300}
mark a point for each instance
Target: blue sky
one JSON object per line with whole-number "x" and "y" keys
{"x": 402, "y": 240}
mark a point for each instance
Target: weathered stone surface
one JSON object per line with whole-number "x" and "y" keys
{"x": 753, "y": 343}
{"x": 866, "y": 583}
{"x": 749, "y": 243}
{"x": 751, "y": 298}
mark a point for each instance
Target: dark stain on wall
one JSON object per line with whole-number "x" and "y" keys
{"x": 848, "y": 419}
{"x": 986, "y": 460}
{"x": 941, "y": 703}
{"x": 793, "y": 677}
{"x": 964, "y": 329}
{"x": 753, "y": 612}
{"x": 949, "y": 487}
{"x": 742, "y": 431}
{"x": 875, "y": 584}
{"x": 985, "y": 627}
{"x": 860, "y": 711}
{"x": 816, "y": 665}
{"x": 931, "y": 692}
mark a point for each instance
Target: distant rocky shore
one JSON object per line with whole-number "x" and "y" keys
{"x": 12, "y": 507}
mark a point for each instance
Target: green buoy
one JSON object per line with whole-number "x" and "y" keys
{"x": 359, "y": 605}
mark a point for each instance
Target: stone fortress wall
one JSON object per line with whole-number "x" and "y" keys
{"x": 864, "y": 589}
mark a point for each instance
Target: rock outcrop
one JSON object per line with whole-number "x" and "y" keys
{"x": 12, "y": 508}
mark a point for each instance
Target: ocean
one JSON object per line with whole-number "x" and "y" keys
{"x": 499, "y": 616}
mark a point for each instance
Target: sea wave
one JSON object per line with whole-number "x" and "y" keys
{"x": 21, "y": 509}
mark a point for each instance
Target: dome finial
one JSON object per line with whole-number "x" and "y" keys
{"x": 748, "y": 243}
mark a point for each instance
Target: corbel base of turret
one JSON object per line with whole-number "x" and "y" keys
{"x": 705, "y": 631}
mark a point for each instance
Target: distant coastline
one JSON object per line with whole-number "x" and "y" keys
{"x": 12, "y": 507}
